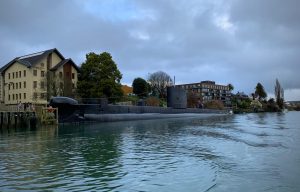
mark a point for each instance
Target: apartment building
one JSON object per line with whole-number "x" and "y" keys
{"x": 209, "y": 90}
{"x": 34, "y": 78}
{"x": 1, "y": 90}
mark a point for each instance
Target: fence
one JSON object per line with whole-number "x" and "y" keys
{"x": 49, "y": 115}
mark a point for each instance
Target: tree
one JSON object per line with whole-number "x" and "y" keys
{"x": 158, "y": 82}
{"x": 192, "y": 99}
{"x": 260, "y": 91}
{"x": 140, "y": 87}
{"x": 54, "y": 85}
{"x": 99, "y": 77}
{"x": 230, "y": 86}
{"x": 279, "y": 94}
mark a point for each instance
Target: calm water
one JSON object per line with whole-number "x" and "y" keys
{"x": 251, "y": 152}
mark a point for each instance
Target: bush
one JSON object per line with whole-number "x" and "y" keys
{"x": 162, "y": 103}
{"x": 215, "y": 104}
{"x": 271, "y": 107}
{"x": 152, "y": 101}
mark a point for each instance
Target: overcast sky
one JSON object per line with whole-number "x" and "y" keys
{"x": 241, "y": 42}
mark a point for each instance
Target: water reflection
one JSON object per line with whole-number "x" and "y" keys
{"x": 190, "y": 154}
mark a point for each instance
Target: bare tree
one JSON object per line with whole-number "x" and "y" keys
{"x": 54, "y": 85}
{"x": 279, "y": 94}
{"x": 159, "y": 82}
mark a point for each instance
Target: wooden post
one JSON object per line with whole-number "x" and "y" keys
{"x": 1, "y": 123}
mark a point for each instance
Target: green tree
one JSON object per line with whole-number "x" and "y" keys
{"x": 99, "y": 77}
{"x": 140, "y": 87}
{"x": 260, "y": 91}
{"x": 230, "y": 86}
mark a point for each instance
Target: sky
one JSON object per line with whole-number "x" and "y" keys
{"x": 240, "y": 42}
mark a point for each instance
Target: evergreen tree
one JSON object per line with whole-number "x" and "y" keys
{"x": 260, "y": 91}
{"x": 279, "y": 94}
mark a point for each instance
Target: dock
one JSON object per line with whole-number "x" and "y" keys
{"x": 17, "y": 118}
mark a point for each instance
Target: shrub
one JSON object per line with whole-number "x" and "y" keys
{"x": 215, "y": 104}
{"x": 152, "y": 101}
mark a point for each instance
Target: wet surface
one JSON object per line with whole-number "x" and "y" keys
{"x": 250, "y": 152}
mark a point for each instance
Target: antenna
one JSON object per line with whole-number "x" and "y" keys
{"x": 174, "y": 81}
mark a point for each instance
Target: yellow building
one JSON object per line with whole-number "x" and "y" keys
{"x": 36, "y": 77}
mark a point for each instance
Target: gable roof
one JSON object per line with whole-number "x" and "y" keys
{"x": 2, "y": 69}
{"x": 31, "y": 59}
{"x": 63, "y": 62}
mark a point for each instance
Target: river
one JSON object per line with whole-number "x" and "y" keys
{"x": 247, "y": 152}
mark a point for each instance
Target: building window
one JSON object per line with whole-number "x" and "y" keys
{"x": 20, "y": 74}
{"x": 16, "y": 96}
{"x": 35, "y": 84}
{"x": 43, "y": 96}
{"x": 20, "y": 85}
{"x": 8, "y": 86}
{"x": 16, "y": 85}
{"x": 8, "y": 75}
{"x": 35, "y": 72}
{"x": 42, "y": 84}
{"x": 24, "y": 95}
{"x": 24, "y": 73}
{"x": 13, "y": 96}
{"x": 13, "y": 75}
{"x": 34, "y": 95}
{"x": 20, "y": 96}
{"x": 13, "y": 85}
{"x": 73, "y": 75}
{"x": 42, "y": 73}
{"x": 9, "y": 97}
{"x": 17, "y": 74}
{"x": 60, "y": 74}
{"x": 24, "y": 84}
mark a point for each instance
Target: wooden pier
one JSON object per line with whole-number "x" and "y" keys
{"x": 17, "y": 118}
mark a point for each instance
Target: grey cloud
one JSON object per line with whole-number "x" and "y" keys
{"x": 179, "y": 37}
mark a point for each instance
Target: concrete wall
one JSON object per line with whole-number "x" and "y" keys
{"x": 24, "y": 93}
{"x": 55, "y": 59}
{"x": 75, "y": 80}
{"x": 1, "y": 89}
{"x": 25, "y": 89}
{"x": 62, "y": 80}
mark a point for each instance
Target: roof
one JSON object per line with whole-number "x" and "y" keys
{"x": 2, "y": 69}
{"x": 31, "y": 59}
{"x": 64, "y": 62}
{"x": 203, "y": 82}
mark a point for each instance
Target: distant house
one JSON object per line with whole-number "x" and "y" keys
{"x": 240, "y": 96}
{"x": 36, "y": 77}
{"x": 209, "y": 90}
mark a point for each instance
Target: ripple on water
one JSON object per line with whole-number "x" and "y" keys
{"x": 226, "y": 154}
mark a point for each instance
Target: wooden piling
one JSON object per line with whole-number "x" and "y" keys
{"x": 15, "y": 119}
